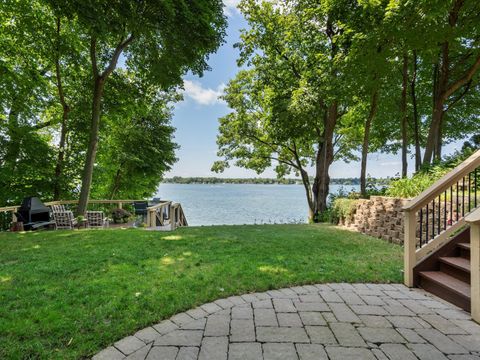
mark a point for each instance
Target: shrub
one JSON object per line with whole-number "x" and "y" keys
{"x": 120, "y": 215}
{"x": 411, "y": 187}
{"x": 342, "y": 208}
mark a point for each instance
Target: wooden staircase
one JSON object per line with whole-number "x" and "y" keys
{"x": 446, "y": 273}
{"x": 442, "y": 237}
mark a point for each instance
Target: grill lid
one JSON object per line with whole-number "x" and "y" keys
{"x": 33, "y": 205}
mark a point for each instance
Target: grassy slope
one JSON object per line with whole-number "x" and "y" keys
{"x": 69, "y": 294}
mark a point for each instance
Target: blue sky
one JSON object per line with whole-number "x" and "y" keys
{"x": 196, "y": 119}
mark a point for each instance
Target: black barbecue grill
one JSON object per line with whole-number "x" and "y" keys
{"x": 34, "y": 214}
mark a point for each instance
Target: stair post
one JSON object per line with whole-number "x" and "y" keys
{"x": 409, "y": 246}
{"x": 474, "y": 220}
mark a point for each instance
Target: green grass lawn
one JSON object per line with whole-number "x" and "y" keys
{"x": 68, "y": 294}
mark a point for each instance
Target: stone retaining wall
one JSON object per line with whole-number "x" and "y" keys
{"x": 379, "y": 216}
{"x": 382, "y": 217}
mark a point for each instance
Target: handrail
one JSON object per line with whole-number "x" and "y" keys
{"x": 162, "y": 203}
{"x": 439, "y": 212}
{"x": 71, "y": 202}
{"x": 9, "y": 208}
{"x": 156, "y": 212}
{"x": 176, "y": 215}
{"x": 67, "y": 202}
{"x": 444, "y": 182}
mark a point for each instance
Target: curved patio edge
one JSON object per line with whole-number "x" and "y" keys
{"x": 324, "y": 321}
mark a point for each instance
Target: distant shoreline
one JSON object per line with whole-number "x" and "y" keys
{"x": 265, "y": 181}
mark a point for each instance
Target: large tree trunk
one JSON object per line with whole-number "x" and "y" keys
{"x": 99, "y": 80}
{"x": 366, "y": 140}
{"x": 444, "y": 88}
{"x": 63, "y": 132}
{"x": 116, "y": 182}
{"x": 324, "y": 159}
{"x": 92, "y": 145}
{"x": 308, "y": 194}
{"x": 305, "y": 181}
{"x": 440, "y": 85}
{"x": 61, "y": 156}
{"x": 434, "y": 131}
{"x": 439, "y": 140}
{"x": 404, "y": 122}
{"x": 416, "y": 121}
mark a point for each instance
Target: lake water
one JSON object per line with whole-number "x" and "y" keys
{"x": 232, "y": 204}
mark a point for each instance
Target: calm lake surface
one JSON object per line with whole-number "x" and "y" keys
{"x": 232, "y": 204}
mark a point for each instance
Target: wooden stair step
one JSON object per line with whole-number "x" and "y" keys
{"x": 465, "y": 246}
{"x": 457, "y": 262}
{"x": 447, "y": 282}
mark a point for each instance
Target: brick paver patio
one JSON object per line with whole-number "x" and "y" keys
{"x": 329, "y": 321}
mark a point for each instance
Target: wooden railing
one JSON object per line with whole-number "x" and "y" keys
{"x": 437, "y": 213}
{"x": 178, "y": 216}
{"x": 167, "y": 212}
{"x": 473, "y": 220}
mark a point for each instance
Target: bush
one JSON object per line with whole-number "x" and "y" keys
{"x": 411, "y": 187}
{"x": 342, "y": 208}
{"x": 120, "y": 215}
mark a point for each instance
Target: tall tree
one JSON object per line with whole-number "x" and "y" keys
{"x": 25, "y": 94}
{"x": 456, "y": 65}
{"x": 137, "y": 147}
{"x": 291, "y": 105}
{"x": 151, "y": 37}
{"x": 366, "y": 142}
{"x": 415, "y": 116}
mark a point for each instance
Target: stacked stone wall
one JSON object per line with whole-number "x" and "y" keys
{"x": 380, "y": 217}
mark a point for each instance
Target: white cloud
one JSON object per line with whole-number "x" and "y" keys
{"x": 231, "y": 6}
{"x": 203, "y": 96}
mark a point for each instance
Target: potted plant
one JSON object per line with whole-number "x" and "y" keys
{"x": 120, "y": 215}
{"x": 81, "y": 221}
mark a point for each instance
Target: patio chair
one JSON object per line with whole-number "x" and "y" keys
{"x": 96, "y": 219}
{"x": 58, "y": 208}
{"x": 64, "y": 219}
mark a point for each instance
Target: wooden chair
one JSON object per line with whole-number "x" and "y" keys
{"x": 96, "y": 219}
{"x": 64, "y": 219}
{"x": 58, "y": 208}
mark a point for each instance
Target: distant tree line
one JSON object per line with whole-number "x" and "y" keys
{"x": 325, "y": 80}
{"x": 87, "y": 89}
{"x": 282, "y": 181}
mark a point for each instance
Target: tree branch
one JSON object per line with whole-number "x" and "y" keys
{"x": 338, "y": 137}
{"x": 297, "y": 157}
{"x": 305, "y": 178}
{"x": 58, "y": 74}
{"x": 464, "y": 80}
{"x": 116, "y": 54}
{"x": 43, "y": 125}
{"x": 93, "y": 55}
{"x": 287, "y": 59}
{"x": 337, "y": 152}
{"x": 286, "y": 162}
{"x": 460, "y": 96}
{"x": 271, "y": 146}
